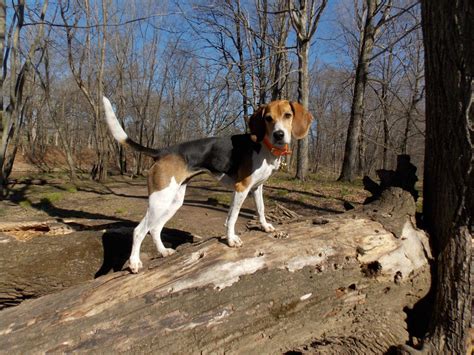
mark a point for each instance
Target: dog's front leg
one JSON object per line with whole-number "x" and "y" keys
{"x": 238, "y": 199}
{"x": 258, "y": 196}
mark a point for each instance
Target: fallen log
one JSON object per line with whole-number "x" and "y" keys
{"x": 45, "y": 256}
{"x": 340, "y": 281}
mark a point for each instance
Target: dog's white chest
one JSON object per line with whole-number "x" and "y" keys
{"x": 265, "y": 168}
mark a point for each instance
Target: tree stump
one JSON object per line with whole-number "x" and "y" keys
{"x": 404, "y": 176}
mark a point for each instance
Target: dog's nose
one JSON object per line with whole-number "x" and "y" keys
{"x": 278, "y": 135}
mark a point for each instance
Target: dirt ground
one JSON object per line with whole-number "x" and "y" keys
{"x": 122, "y": 199}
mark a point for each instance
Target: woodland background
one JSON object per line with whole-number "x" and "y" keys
{"x": 183, "y": 70}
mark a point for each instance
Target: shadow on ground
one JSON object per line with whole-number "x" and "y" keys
{"x": 118, "y": 246}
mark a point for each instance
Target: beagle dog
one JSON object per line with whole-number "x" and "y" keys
{"x": 243, "y": 162}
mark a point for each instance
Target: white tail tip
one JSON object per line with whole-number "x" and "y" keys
{"x": 114, "y": 125}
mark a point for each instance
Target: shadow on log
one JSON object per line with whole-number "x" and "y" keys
{"x": 336, "y": 283}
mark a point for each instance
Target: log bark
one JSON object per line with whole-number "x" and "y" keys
{"x": 342, "y": 280}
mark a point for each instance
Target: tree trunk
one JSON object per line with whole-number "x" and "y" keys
{"x": 138, "y": 170}
{"x": 303, "y": 97}
{"x": 92, "y": 91}
{"x": 415, "y": 98}
{"x": 102, "y": 164}
{"x": 386, "y": 136}
{"x": 262, "y": 10}
{"x": 449, "y": 174}
{"x": 61, "y": 135}
{"x": 304, "y": 19}
{"x": 417, "y": 94}
{"x": 6, "y": 124}
{"x": 384, "y": 96}
{"x": 3, "y": 118}
{"x": 351, "y": 151}
{"x": 280, "y": 73}
{"x": 242, "y": 69}
{"x": 361, "y": 158}
{"x": 12, "y": 116}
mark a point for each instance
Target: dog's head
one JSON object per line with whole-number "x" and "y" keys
{"x": 279, "y": 120}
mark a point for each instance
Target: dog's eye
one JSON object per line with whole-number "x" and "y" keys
{"x": 268, "y": 119}
{"x": 288, "y": 115}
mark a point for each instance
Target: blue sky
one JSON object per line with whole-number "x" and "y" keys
{"x": 324, "y": 46}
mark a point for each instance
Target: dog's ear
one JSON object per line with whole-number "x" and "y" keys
{"x": 301, "y": 120}
{"x": 257, "y": 125}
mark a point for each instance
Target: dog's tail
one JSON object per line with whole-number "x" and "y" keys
{"x": 120, "y": 135}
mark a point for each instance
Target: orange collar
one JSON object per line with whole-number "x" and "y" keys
{"x": 276, "y": 151}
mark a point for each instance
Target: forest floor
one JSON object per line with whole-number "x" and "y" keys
{"x": 122, "y": 199}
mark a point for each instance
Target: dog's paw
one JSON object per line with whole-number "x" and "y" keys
{"x": 234, "y": 241}
{"x": 135, "y": 265}
{"x": 166, "y": 252}
{"x": 268, "y": 228}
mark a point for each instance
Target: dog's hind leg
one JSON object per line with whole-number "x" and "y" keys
{"x": 162, "y": 212}
{"x": 139, "y": 234}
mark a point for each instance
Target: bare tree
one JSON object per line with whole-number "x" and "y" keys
{"x": 330, "y": 97}
{"x": 120, "y": 46}
{"x": 57, "y": 113}
{"x": 305, "y": 16}
{"x": 369, "y": 31}
{"x": 87, "y": 67}
{"x": 16, "y": 69}
{"x": 142, "y": 68}
{"x": 280, "y": 68}
{"x": 4, "y": 120}
{"x": 415, "y": 79}
{"x": 225, "y": 32}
